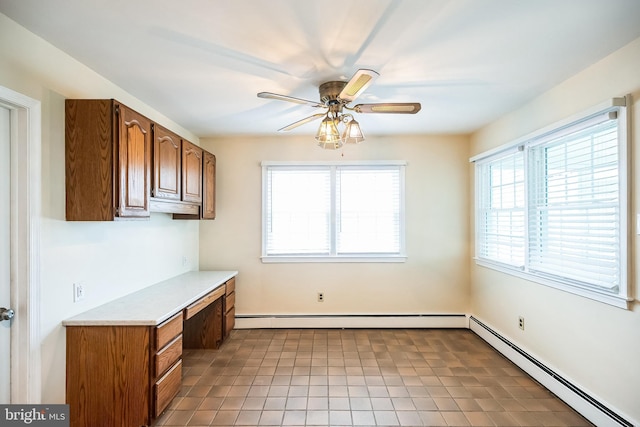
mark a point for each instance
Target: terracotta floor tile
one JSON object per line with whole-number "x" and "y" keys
{"x": 377, "y": 377}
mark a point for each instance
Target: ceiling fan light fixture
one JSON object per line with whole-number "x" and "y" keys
{"x": 352, "y": 133}
{"x": 328, "y": 136}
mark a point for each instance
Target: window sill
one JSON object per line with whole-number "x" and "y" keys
{"x": 334, "y": 259}
{"x": 601, "y": 296}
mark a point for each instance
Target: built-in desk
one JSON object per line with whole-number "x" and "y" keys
{"x": 124, "y": 358}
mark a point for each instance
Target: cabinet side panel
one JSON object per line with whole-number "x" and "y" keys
{"x": 89, "y": 160}
{"x": 108, "y": 376}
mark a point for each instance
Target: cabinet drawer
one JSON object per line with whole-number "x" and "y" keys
{"x": 168, "y": 330}
{"x": 168, "y": 356}
{"x": 229, "y": 321}
{"x": 230, "y": 301}
{"x": 167, "y": 387}
{"x": 199, "y": 305}
{"x": 231, "y": 285}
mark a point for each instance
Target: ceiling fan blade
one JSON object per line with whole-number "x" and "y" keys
{"x": 358, "y": 83}
{"x": 389, "y": 108}
{"x": 269, "y": 95}
{"x": 303, "y": 121}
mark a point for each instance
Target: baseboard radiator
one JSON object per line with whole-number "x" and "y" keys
{"x": 592, "y": 409}
{"x": 352, "y": 321}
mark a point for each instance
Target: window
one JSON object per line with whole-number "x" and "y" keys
{"x": 553, "y": 207}
{"x": 333, "y": 212}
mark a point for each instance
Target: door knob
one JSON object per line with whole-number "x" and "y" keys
{"x": 6, "y": 314}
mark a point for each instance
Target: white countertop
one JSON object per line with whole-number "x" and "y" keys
{"x": 155, "y": 304}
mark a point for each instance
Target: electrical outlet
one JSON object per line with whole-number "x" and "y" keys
{"x": 320, "y": 297}
{"x": 185, "y": 261}
{"x": 521, "y": 322}
{"x": 78, "y": 292}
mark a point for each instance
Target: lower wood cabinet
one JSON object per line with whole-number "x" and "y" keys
{"x": 127, "y": 375}
{"x": 122, "y": 375}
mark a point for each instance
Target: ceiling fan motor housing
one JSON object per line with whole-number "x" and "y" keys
{"x": 329, "y": 92}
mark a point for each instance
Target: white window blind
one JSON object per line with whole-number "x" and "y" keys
{"x": 333, "y": 211}
{"x": 501, "y": 209}
{"x": 574, "y": 209}
{"x": 368, "y": 207}
{"x": 299, "y": 211}
{"x": 553, "y": 207}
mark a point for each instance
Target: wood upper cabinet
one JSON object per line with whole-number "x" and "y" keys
{"x": 121, "y": 165}
{"x": 209, "y": 186}
{"x": 108, "y": 161}
{"x": 167, "y": 160}
{"x": 191, "y": 172}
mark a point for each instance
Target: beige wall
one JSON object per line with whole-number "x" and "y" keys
{"x": 111, "y": 259}
{"x": 592, "y": 344}
{"x": 434, "y": 279}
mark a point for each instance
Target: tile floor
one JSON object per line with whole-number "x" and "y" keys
{"x": 360, "y": 377}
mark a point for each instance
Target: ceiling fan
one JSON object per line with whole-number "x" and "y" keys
{"x": 335, "y": 97}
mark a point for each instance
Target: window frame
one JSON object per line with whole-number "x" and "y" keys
{"x": 334, "y": 257}
{"x": 623, "y": 296}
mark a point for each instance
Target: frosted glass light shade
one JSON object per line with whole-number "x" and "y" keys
{"x": 352, "y": 133}
{"x": 328, "y": 136}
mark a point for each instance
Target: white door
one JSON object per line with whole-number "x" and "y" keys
{"x": 5, "y": 336}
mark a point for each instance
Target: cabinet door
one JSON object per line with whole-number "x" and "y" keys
{"x": 108, "y": 376}
{"x": 191, "y": 172}
{"x": 166, "y": 164}
{"x": 134, "y": 161}
{"x": 209, "y": 186}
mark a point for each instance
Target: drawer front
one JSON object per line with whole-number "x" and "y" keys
{"x": 231, "y": 285}
{"x": 203, "y": 302}
{"x": 168, "y": 330}
{"x": 168, "y": 356}
{"x": 231, "y": 301}
{"x": 167, "y": 387}
{"x": 229, "y": 321}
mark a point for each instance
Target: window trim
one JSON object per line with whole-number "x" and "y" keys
{"x": 624, "y": 296}
{"x": 353, "y": 258}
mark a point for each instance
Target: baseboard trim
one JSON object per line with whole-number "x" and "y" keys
{"x": 589, "y": 407}
{"x": 352, "y": 321}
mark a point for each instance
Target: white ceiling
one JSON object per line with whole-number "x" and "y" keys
{"x": 201, "y": 62}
